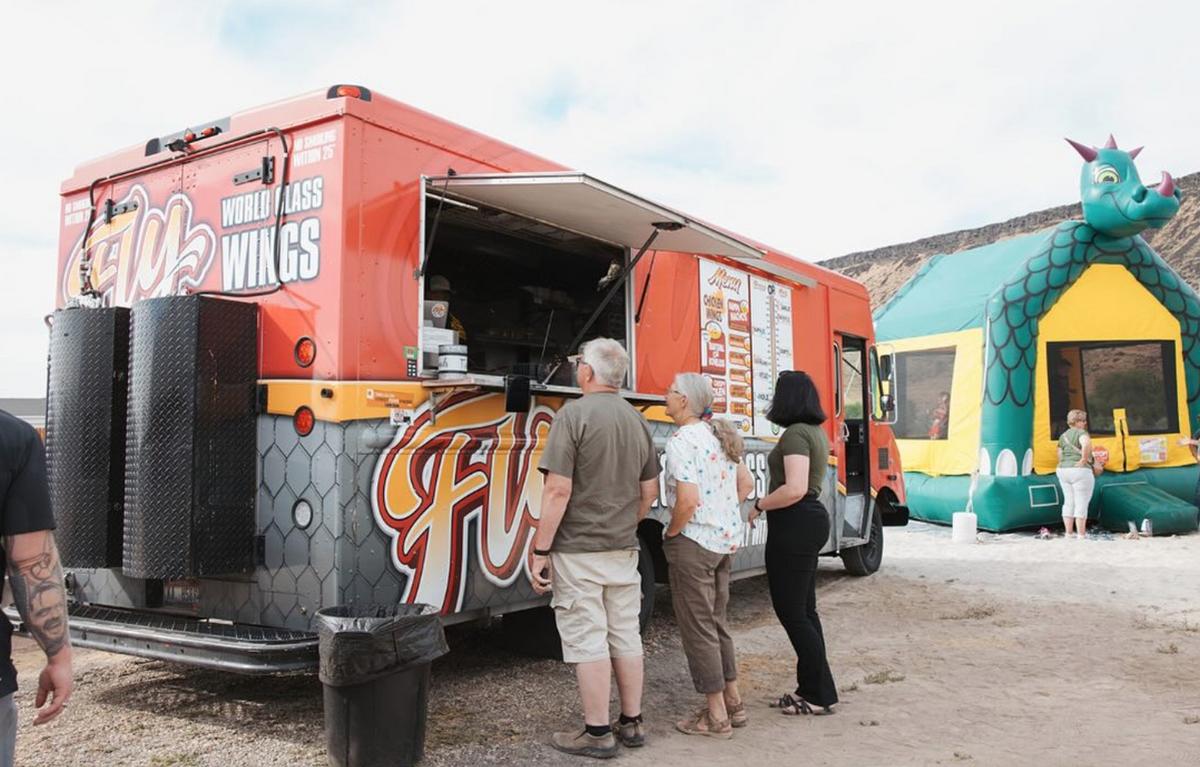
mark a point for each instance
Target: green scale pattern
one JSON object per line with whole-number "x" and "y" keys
{"x": 1015, "y": 308}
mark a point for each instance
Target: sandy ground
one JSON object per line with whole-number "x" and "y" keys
{"x": 1009, "y": 651}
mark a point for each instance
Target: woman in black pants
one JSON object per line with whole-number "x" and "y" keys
{"x": 797, "y": 530}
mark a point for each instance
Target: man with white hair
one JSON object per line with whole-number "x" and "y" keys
{"x": 601, "y": 475}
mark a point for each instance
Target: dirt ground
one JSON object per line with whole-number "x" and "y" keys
{"x": 1009, "y": 651}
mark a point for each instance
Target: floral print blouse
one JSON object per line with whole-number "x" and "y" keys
{"x": 694, "y": 455}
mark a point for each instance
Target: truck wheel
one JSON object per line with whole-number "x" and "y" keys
{"x": 649, "y": 588}
{"x": 865, "y": 559}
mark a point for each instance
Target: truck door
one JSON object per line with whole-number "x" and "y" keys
{"x": 851, "y": 432}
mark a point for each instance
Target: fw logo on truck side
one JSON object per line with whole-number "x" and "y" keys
{"x": 149, "y": 252}
{"x": 477, "y": 462}
{"x": 143, "y": 253}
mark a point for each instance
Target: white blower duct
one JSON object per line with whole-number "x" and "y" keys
{"x": 963, "y": 527}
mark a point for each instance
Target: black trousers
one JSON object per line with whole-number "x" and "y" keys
{"x": 795, "y": 534}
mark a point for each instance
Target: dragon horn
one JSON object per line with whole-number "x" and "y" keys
{"x": 1086, "y": 152}
{"x": 1111, "y": 143}
{"x": 1167, "y": 187}
{"x": 1133, "y": 153}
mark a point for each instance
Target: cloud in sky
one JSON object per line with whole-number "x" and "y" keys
{"x": 820, "y": 128}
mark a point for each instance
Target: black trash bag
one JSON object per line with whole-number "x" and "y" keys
{"x": 359, "y": 644}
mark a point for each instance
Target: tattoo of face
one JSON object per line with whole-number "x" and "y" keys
{"x": 37, "y": 586}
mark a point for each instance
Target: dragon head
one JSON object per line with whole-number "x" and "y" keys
{"x": 1115, "y": 201}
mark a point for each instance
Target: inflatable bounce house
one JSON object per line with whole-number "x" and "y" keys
{"x": 991, "y": 348}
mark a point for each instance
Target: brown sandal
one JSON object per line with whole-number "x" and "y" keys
{"x": 737, "y": 714}
{"x": 702, "y": 724}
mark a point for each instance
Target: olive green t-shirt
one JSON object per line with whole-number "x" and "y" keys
{"x": 604, "y": 446}
{"x": 801, "y": 439}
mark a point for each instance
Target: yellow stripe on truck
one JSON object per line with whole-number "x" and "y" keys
{"x": 339, "y": 401}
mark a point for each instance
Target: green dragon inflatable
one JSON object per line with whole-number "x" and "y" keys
{"x": 993, "y": 307}
{"x": 1116, "y": 207}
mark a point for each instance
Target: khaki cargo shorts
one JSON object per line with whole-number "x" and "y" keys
{"x": 597, "y": 600}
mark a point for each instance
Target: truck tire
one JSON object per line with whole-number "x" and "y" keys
{"x": 649, "y": 588}
{"x": 865, "y": 559}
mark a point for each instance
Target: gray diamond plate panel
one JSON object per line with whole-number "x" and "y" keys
{"x": 224, "y": 441}
{"x": 85, "y": 433}
{"x": 190, "y": 466}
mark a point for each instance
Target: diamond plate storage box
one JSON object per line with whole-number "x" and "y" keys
{"x": 190, "y": 478}
{"x": 85, "y": 432}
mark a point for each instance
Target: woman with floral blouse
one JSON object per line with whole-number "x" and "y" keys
{"x": 706, "y": 483}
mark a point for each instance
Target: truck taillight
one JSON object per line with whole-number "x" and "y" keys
{"x": 304, "y": 420}
{"x": 348, "y": 92}
{"x": 305, "y": 352}
{"x": 181, "y": 142}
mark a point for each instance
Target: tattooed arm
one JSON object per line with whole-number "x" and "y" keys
{"x": 36, "y": 578}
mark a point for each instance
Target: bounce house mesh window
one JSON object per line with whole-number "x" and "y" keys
{"x": 1098, "y": 377}
{"x": 923, "y": 379}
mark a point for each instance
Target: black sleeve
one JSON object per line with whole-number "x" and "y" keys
{"x": 26, "y": 504}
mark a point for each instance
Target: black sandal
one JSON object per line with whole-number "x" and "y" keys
{"x": 792, "y": 705}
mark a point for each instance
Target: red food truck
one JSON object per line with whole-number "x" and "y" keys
{"x": 307, "y": 355}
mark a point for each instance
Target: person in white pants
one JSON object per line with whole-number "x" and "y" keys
{"x": 1075, "y": 472}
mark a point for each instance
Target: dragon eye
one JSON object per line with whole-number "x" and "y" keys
{"x": 1106, "y": 174}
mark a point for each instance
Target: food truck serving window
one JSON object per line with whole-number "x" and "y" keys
{"x": 519, "y": 263}
{"x": 1097, "y": 377}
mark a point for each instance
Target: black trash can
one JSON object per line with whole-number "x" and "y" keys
{"x": 375, "y": 670}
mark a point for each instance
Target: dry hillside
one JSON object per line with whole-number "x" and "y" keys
{"x": 885, "y": 270}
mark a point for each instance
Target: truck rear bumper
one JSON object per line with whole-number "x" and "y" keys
{"x": 221, "y": 646}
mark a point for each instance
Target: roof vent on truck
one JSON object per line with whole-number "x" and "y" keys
{"x": 349, "y": 92}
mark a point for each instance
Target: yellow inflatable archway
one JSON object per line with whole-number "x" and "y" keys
{"x": 1107, "y": 304}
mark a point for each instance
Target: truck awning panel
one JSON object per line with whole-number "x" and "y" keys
{"x": 592, "y": 208}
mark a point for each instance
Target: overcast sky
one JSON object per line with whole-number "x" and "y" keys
{"x": 819, "y": 128}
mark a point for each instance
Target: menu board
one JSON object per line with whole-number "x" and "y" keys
{"x": 771, "y": 344}
{"x": 745, "y": 343}
{"x": 725, "y": 357}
